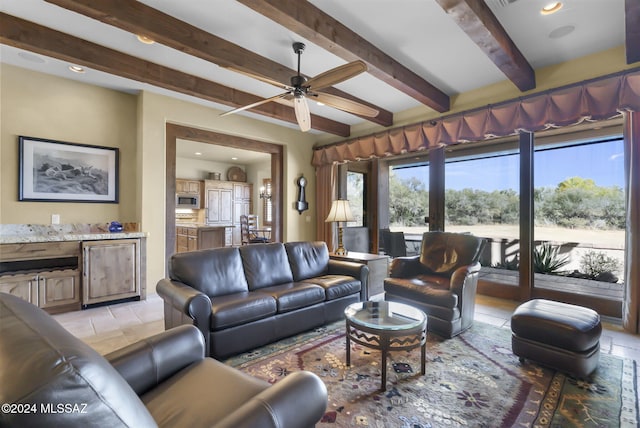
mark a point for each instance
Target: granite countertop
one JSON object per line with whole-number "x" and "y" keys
{"x": 26, "y": 233}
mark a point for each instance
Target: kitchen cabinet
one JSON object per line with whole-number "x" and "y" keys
{"x": 242, "y": 205}
{"x": 190, "y": 238}
{"x": 45, "y": 274}
{"x": 189, "y": 186}
{"x": 218, "y": 202}
{"x": 111, "y": 270}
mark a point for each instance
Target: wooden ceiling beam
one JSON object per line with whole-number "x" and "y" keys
{"x": 320, "y": 28}
{"x": 29, "y": 36}
{"x": 632, "y": 30}
{"x": 138, "y": 18}
{"x": 476, "y": 19}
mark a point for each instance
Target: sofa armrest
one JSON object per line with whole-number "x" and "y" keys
{"x": 405, "y": 267}
{"x": 298, "y": 400}
{"x": 148, "y": 362}
{"x": 359, "y": 271}
{"x": 188, "y": 301}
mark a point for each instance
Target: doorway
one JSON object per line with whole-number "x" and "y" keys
{"x": 175, "y": 132}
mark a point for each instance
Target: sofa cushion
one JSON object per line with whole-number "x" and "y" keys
{"x": 41, "y": 362}
{"x": 214, "y": 272}
{"x": 265, "y": 265}
{"x": 180, "y": 401}
{"x": 444, "y": 252}
{"x": 336, "y": 286}
{"x": 295, "y": 295}
{"x": 241, "y": 308}
{"x": 307, "y": 259}
{"x": 414, "y": 289}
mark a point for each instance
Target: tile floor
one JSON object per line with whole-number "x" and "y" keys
{"x": 108, "y": 328}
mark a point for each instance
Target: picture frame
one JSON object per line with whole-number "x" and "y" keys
{"x": 58, "y": 171}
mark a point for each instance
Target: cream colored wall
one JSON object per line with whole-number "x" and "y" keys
{"x": 157, "y": 110}
{"x": 43, "y": 106}
{"x": 197, "y": 169}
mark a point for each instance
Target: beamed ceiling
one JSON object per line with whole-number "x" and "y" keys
{"x": 417, "y": 52}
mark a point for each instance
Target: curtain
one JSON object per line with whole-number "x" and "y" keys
{"x": 631, "y": 305}
{"x": 597, "y": 99}
{"x": 325, "y": 180}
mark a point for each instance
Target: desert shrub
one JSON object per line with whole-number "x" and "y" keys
{"x": 594, "y": 263}
{"x": 547, "y": 259}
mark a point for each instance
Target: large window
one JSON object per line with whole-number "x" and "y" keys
{"x": 409, "y": 198}
{"x": 482, "y": 198}
{"x": 580, "y": 214}
{"x": 356, "y": 195}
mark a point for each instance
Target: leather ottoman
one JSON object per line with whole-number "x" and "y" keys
{"x": 562, "y": 336}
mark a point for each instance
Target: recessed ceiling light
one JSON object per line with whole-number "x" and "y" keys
{"x": 320, "y": 103}
{"x": 552, "y": 7}
{"x": 234, "y": 158}
{"x": 31, "y": 57}
{"x": 198, "y": 154}
{"x": 561, "y": 31}
{"x": 145, "y": 39}
{"x": 76, "y": 69}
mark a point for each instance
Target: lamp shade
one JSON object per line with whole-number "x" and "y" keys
{"x": 340, "y": 211}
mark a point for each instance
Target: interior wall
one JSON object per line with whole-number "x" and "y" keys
{"x": 38, "y": 105}
{"x": 195, "y": 169}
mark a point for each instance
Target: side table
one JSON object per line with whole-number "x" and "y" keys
{"x": 378, "y": 269}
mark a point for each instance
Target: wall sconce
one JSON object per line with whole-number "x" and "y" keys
{"x": 264, "y": 194}
{"x": 340, "y": 212}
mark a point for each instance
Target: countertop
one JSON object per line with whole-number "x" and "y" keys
{"x": 202, "y": 226}
{"x": 27, "y": 233}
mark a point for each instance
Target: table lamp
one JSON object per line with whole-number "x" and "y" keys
{"x": 340, "y": 212}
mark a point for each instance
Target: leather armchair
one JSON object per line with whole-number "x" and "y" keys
{"x": 164, "y": 380}
{"x": 442, "y": 280}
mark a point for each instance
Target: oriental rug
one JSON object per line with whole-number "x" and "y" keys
{"x": 472, "y": 380}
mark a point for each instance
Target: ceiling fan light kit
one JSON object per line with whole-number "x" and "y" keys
{"x": 300, "y": 89}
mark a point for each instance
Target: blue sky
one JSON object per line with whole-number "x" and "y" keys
{"x": 604, "y": 163}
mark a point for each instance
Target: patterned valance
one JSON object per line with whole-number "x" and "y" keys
{"x": 597, "y": 99}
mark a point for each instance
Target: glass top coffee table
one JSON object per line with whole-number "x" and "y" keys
{"x": 386, "y": 326}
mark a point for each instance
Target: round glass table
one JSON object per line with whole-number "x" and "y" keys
{"x": 386, "y": 326}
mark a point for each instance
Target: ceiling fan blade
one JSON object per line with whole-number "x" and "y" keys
{"x": 262, "y": 78}
{"x": 302, "y": 113}
{"x": 256, "y": 104}
{"x": 336, "y": 75}
{"x": 344, "y": 104}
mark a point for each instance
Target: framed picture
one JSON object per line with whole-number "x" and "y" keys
{"x": 67, "y": 172}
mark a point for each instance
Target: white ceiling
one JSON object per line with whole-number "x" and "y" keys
{"x": 416, "y": 33}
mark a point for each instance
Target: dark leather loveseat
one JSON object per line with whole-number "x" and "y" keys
{"x": 243, "y": 298}
{"x": 49, "y": 378}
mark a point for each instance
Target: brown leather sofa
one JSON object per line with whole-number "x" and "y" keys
{"x": 442, "y": 280}
{"x": 246, "y": 297}
{"x": 49, "y": 378}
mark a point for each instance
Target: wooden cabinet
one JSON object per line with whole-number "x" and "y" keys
{"x": 189, "y": 186}
{"x": 46, "y": 274}
{"x": 58, "y": 288}
{"x": 190, "y": 238}
{"x": 218, "y": 202}
{"x": 242, "y": 205}
{"x": 24, "y": 286}
{"x": 111, "y": 270}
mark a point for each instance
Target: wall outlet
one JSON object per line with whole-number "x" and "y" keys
{"x": 55, "y": 218}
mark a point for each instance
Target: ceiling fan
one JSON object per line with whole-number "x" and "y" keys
{"x": 300, "y": 89}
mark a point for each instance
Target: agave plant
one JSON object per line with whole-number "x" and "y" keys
{"x": 546, "y": 259}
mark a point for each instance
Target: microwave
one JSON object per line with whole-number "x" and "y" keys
{"x": 187, "y": 200}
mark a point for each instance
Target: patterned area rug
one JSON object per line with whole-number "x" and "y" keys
{"x": 472, "y": 380}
